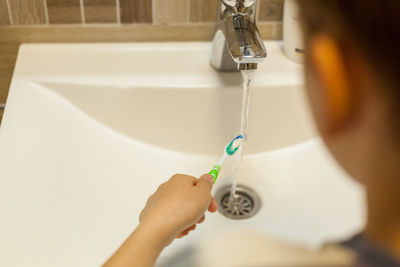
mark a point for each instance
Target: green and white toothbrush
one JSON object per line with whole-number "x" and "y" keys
{"x": 230, "y": 149}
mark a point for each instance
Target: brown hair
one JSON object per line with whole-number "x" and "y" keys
{"x": 372, "y": 25}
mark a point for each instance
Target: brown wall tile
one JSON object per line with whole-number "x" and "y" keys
{"x": 8, "y": 57}
{"x": 203, "y": 10}
{"x": 64, "y": 11}
{"x": 4, "y": 19}
{"x": 171, "y": 11}
{"x": 270, "y": 31}
{"x": 27, "y": 12}
{"x": 136, "y": 11}
{"x": 100, "y": 11}
{"x": 270, "y": 10}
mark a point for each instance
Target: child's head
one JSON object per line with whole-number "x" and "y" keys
{"x": 353, "y": 78}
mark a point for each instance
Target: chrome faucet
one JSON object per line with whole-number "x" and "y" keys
{"x": 237, "y": 43}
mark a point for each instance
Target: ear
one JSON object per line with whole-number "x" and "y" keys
{"x": 333, "y": 81}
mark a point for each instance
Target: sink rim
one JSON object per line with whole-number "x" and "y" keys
{"x": 115, "y": 64}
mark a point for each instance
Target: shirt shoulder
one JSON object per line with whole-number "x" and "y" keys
{"x": 369, "y": 254}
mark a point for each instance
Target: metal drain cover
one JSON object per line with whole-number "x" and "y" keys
{"x": 246, "y": 203}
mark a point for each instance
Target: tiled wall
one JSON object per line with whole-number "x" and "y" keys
{"x": 157, "y": 12}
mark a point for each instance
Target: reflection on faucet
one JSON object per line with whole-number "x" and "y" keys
{"x": 237, "y": 42}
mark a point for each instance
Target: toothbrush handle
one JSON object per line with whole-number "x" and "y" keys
{"x": 215, "y": 171}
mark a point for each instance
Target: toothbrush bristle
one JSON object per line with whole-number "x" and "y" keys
{"x": 234, "y": 145}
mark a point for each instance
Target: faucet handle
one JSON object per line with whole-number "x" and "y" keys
{"x": 239, "y": 3}
{"x": 236, "y": 7}
{"x": 237, "y": 42}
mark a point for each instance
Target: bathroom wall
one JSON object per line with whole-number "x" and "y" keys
{"x": 155, "y": 12}
{"x": 32, "y": 21}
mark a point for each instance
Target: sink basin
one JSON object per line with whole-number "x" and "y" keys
{"x": 206, "y": 117}
{"x": 91, "y": 130}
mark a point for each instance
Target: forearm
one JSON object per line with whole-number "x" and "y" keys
{"x": 141, "y": 249}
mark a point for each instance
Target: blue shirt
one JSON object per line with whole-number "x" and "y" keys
{"x": 370, "y": 255}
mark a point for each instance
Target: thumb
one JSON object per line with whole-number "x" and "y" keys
{"x": 205, "y": 182}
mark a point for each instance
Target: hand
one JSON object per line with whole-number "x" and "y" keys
{"x": 171, "y": 212}
{"x": 177, "y": 205}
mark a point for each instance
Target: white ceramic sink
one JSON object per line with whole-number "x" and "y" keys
{"x": 91, "y": 130}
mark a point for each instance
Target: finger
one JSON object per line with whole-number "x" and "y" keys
{"x": 213, "y": 206}
{"x": 191, "y": 228}
{"x": 186, "y": 232}
{"x": 202, "y": 219}
{"x": 183, "y": 179}
{"x": 160, "y": 186}
{"x": 180, "y": 235}
{"x": 205, "y": 183}
{"x": 141, "y": 216}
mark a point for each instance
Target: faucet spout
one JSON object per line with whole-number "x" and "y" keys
{"x": 237, "y": 42}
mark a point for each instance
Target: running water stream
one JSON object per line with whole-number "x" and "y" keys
{"x": 247, "y": 77}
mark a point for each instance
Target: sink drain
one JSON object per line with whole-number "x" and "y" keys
{"x": 246, "y": 203}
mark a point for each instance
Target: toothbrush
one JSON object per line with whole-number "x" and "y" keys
{"x": 230, "y": 149}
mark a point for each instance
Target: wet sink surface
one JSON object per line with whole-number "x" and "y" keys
{"x": 87, "y": 138}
